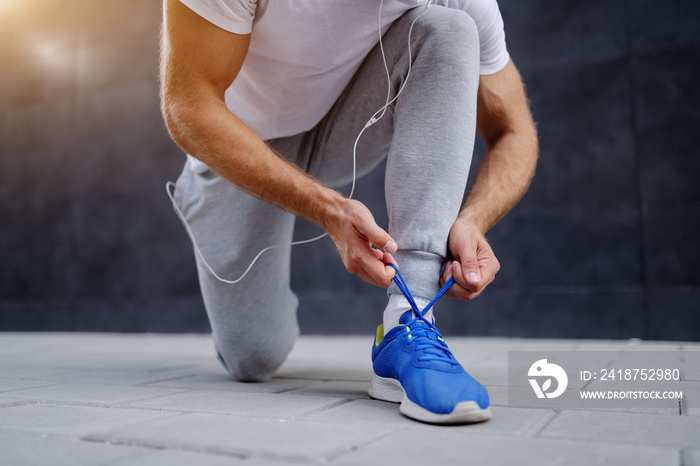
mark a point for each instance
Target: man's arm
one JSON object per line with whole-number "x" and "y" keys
{"x": 503, "y": 176}
{"x": 199, "y": 61}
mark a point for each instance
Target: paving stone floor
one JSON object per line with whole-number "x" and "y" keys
{"x": 122, "y": 399}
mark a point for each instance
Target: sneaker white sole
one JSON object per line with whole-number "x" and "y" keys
{"x": 466, "y": 412}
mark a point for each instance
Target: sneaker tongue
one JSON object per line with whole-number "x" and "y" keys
{"x": 409, "y": 315}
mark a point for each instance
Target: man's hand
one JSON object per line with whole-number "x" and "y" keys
{"x": 475, "y": 265}
{"x": 354, "y": 232}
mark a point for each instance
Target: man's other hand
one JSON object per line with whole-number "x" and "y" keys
{"x": 475, "y": 265}
{"x": 364, "y": 247}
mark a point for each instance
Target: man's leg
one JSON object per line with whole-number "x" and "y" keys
{"x": 253, "y": 322}
{"x": 428, "y": 134}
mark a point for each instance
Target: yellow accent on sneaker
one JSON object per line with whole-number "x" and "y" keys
{"x": 380, "y": 334}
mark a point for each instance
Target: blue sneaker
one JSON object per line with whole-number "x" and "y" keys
{"x": 413, "y": 366}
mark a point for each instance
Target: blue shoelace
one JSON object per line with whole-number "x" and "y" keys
{"x": 426, "y": 337}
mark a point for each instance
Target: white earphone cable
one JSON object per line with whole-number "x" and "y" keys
{"x": 369, "y": 123}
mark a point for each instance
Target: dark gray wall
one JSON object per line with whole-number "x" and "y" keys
{"x": 605, "y": 244}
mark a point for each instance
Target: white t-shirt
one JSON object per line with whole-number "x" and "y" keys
{"x": 304, "y": 52}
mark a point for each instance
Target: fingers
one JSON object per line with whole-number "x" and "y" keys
{"x": 464, "y": 288}
{"x": 361, "y": 258}
{"x": 459, "y": 290}
{"x": 389, "y": 259}
{"x": 472, "y": 274}
{"x": 364, "y": 246}
{"x": 385, "y": 257}
{"x": 475, "y": 265}
{"x": 376, "y": 235}
{"x": 370, "y": 263}
{"x": 374, "y": 269}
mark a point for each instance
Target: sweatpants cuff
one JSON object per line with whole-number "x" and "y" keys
{"x": 421, "y": 272}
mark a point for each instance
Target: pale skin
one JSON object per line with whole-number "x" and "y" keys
{"x": 199, "y": 61}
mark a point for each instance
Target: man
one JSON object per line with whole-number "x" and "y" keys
{"x": 268, "y": 97}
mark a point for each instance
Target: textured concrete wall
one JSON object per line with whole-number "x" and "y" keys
{"x": 605, "y": 244}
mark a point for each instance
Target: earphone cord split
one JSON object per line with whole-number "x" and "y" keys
{"x": 378, "y": 115}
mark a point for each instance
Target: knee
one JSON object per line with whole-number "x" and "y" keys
{"x": 253, "y": 361}
{"x": 450, "y": 32}
{"x": 450, "y": 22}
{"x": 250, "y": 367}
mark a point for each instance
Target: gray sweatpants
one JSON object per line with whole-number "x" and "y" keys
{"x": 428, "y": 137}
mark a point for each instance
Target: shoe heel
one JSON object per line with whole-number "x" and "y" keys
{"x": 384, "y": 389}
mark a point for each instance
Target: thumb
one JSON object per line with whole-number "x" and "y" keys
{"x": 470, "y": 269}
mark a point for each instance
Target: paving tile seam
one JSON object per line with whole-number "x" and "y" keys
{"x": 320, "y": 409}
{"x": 316, "y": 389}
{"x": 160, "y": 446}
{"x": 122, "y": 404}
{"x": 241, "y": 453}
{"x": 69, "y": 403}
{"x": 626, "y": 443}
{"x": 76, "y": 404}
{"x": 612, "y": 410}
{"x": 591, "y": 444}
{"x": 176, "y": 411}
{"x": 685, "y": 457}
{"x": 4, "y": 392}
{"x": 179, "y": 391}
{"x": 331, "y": 395}
{"x": 623, "y": 413}
{"x": 57, "y": 435}
{"x": 532, "y": 432}
{"x": 17, "y": 403}
{"x": 104, "y": 384}
{"x": 168, "y": 379}
{"x": 301, "y": 377}
{"x": 544, "y": 426}
{"x": 41, "y": 434}
{"x": 229, "y": 390}
{"x": 412, "y": 425}
{"x": 197, "y": 389}
{"x": 131, "y": 370}
{"x": 53, "y": 371}
{"x": 175, "y": 367}
{"x": 295, "y": 417}
{"x": 346, "y": 451}
{"x": 291, "y": 390}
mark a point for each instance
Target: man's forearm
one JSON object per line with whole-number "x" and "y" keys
{"x": 199, "y": 61}
{"x": 502, "y": 178}
{"x": 206, "y": 129}
{"x": 505, "y": 122}
{"x": 214, "y": 135}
